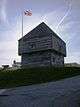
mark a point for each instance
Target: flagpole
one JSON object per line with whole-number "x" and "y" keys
{"x": 22, "y": 23}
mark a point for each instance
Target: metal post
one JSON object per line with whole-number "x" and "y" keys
{"x": 22, "y": 23}
{"x": 22, "y": 32}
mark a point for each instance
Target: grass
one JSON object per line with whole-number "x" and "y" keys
{"x": 29, "y": 76}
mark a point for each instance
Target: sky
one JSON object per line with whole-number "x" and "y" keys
{"x": 62, "y": 16}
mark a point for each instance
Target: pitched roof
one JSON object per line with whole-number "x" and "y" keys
{"x": 42, "y": 27}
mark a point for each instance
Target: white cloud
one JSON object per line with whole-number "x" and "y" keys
{"x": 73, "y": 57}
{"x": 3, "y": 13}
{"x": 8, "y": 52}
{"x": 9, "y": 45}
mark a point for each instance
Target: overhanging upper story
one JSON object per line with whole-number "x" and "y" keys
{"x": 41, "y": 38}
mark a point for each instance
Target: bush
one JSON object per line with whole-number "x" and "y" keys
{"x": 37, "y": 75}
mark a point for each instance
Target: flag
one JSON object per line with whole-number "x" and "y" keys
{"x": 28, "y": 13}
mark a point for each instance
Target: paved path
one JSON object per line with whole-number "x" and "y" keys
{"x": 64, "y": 93}
{"x": 2, "y": 91}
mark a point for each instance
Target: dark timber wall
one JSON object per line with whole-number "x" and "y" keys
{"x": 42, "y": 47}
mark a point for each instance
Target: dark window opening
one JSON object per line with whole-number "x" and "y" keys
{"x": 53, "y": 59}
{"x": 32, "y": 46}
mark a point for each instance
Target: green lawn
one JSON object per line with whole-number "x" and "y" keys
{"x": 30, "y": 76}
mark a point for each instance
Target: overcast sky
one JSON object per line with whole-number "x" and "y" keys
{"x": 63, "y": 17}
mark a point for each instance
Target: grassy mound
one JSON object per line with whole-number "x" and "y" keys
{"x": 31, "y": 76}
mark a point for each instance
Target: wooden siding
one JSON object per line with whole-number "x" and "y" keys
{"x": 42, "y": 47}
{"x": 32, "y": 45}
{"x": 42, "y": 59}
{"x": 43, "y": 43}
{"x": 58, "y": 45}
{"x": 41, "y": 38}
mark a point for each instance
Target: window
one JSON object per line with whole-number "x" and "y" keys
{"x": 60, "y": 47}
{"x": 32, "y": 46}
{"x": 53, "y": 59}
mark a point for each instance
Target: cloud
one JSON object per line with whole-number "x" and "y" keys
{"x": 65, "y": 15}
{"x": 3, "y": 13}
{"x": 9, "y": 45}
{"x": 8, "y": 52}
{"x": 73, "y": 57}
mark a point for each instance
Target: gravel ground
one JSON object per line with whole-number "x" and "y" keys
{"x": 64, "y": 93}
